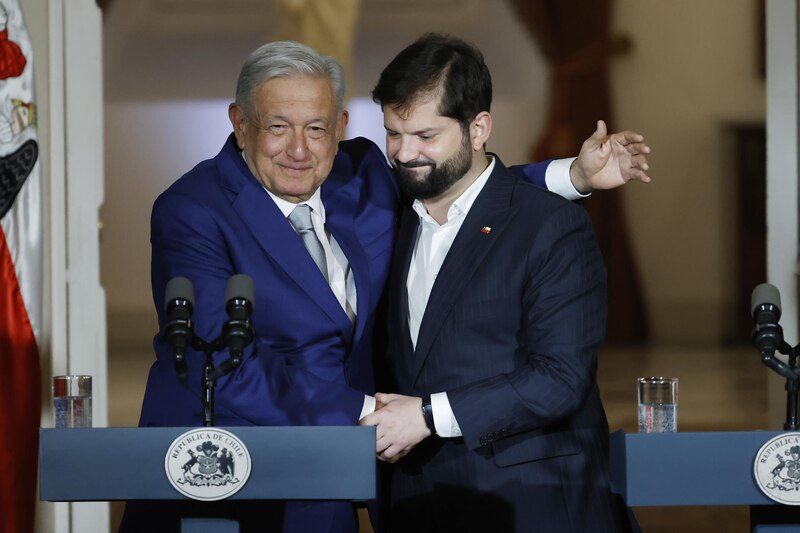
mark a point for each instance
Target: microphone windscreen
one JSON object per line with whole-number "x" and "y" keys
{"x": 765, "y": 294}
{"x": 179, "y": 287}
{"x": 241, "y": 286}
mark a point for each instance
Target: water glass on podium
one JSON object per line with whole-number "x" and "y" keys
{"x": 658, "y": 404}
{"x": 72, "y": 401}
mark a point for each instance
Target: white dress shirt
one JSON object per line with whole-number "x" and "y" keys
{"x": 433, "y": 242}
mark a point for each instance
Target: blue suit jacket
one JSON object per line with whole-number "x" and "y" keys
{"x": 307, "y": 365}
{"x": 511, "y": 332}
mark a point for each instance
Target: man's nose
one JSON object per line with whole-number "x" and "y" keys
{"x": 298, "y": 144}
{"x": 406, "y": 150}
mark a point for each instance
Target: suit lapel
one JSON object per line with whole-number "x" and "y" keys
{"x": 484, "y": 225}
{"x": 275, "y": 235}
{"x": 340, "y": 204}
{"x": 401, "y": 263}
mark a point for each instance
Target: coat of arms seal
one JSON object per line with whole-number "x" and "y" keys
{"x": 777, "y": 468}
{"x": 207, "y": 464}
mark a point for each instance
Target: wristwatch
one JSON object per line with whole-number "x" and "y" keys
{"x": 427, "y": 414}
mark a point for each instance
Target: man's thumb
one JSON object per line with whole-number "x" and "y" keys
{"x": 601, "y": 131}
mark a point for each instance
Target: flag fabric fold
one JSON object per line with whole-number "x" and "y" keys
{"x": 20, "y": 275}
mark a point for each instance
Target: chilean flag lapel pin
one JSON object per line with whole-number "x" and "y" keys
{"x": 486, "y": 229}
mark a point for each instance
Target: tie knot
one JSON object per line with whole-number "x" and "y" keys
{"x": 300, "y": 217}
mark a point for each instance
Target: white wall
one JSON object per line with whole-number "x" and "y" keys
{"x": 150, "y": 143}
{"x": 691, "y": 74}
{"x": 782, "y": 178}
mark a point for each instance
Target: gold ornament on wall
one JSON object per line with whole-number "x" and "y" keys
{"x": 327, "y": 26}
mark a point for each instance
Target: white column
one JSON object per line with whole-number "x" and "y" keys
{"x": 83, "y": 124}
{"x": 782, "y": 178}
{"x": 67, "y": 40}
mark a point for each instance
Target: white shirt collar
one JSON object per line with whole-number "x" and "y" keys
{"x": 463, "y": 203}
{"x": 286, "y": 207}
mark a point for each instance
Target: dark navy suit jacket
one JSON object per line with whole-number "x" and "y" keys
{"x": 308, "y": 365}
{"x": 511, "y": 332}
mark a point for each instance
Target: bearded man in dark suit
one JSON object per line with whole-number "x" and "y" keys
{"x": 497, "y": 307}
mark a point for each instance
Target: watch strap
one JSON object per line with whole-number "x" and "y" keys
{"x": 427, "y": 414}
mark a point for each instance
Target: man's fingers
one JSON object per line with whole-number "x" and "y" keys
{"x": 384, "y": 398}
{"x": 640, "y": 175}
{"x": 637, "y": 148}
{"x": 388, "y": 454}
{"x": 639, "y": 161}
{"x": 369, "y": 420}
{"x": 381, "y": 444}
{"x": 601, "y": 131}
{"x": 394, "y": 454}
{"x": 628, "y": 137}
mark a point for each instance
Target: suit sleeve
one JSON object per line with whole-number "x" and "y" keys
{"x": 564, "y": 309}
{"x": 268, "y": 388}
{"x": 533, "y": 173}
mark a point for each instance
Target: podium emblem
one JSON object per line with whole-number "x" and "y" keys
{"x": 207, "y": 464}
{"x": 777, "y": 469}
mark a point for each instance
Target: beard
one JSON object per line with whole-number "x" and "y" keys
{"x": 439, "y": 178}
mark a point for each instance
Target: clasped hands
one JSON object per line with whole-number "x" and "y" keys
{"x": 399, "y": 425}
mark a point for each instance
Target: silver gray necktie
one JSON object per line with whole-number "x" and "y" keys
{"x": 300, "y": 219}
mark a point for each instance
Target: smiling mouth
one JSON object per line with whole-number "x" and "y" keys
{"x": 296, "y": 170}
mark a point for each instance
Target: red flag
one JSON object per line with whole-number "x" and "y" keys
{"x": 20, "y": 276}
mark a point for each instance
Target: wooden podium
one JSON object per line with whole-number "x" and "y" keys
{"x": 287, "y": 463}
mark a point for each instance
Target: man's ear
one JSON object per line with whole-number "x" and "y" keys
{"x": 341, "y": 125}
{"x": 238, "y": 122}
{"x": 479, "y": 130}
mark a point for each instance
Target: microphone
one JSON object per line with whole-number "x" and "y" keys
{"x": 179, "y": 331}
{"x": 766, "y": 306}
{"x": 237, "y": 332}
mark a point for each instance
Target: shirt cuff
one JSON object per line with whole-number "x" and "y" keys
{"x": 443, "y": 418}
{"x": 368, "y": 408}
{"x": 558, "y": 181}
